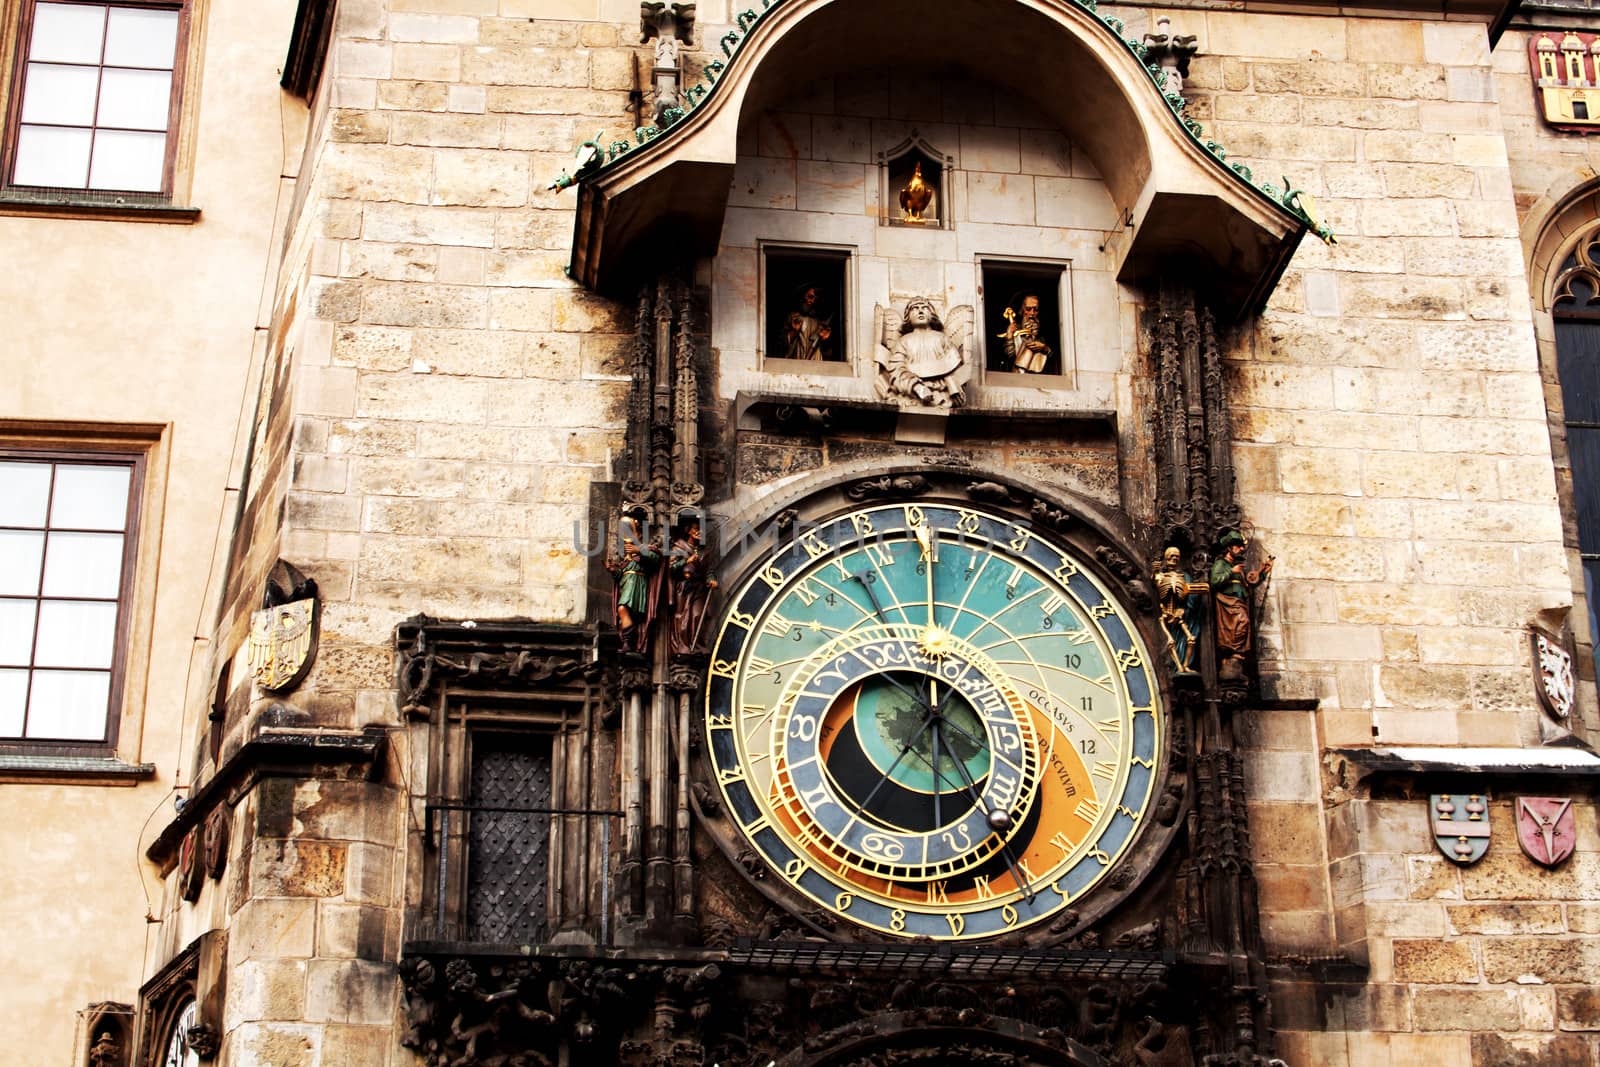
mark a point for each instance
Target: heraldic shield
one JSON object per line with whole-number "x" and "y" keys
{"x": 1545, "y": 829}
{"x": 282, "y": 641}
{"x": 1460, "y": 825}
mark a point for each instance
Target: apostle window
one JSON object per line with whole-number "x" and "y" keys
{"x": 67, "y": 524}
{"x": 805, "y": 311}
{"x": 96, "y": 96}
{"x": 1025, "y": 325}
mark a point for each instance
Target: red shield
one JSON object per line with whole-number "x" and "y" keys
{"x": 1545, "y": 829}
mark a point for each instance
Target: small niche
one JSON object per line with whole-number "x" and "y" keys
{"x": 915, "y": 189}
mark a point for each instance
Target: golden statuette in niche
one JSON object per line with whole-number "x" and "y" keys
{"x": 916, "y": 197}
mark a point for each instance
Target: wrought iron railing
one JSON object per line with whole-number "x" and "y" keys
{"x": 515, "y": 874}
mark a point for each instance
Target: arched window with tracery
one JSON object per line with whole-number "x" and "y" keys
{"x": 1575, "y": 312}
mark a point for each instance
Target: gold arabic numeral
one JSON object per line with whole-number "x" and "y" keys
{"x": 724, "y": 668}
{"x": 937, "y": 894}
{"x": 1060, "y": 841}
{"x": 772, "y": 576}
{"x": 1140, "y": 761}
{"x": 794, "y": 869}
{"x": 1100, "y": 856}
{"x": 808, "y": 596}
{"x": 897, "y": 920}
{"x": 1009, "y": 914}
{"x": 862, "y": 523}
{"x": 1123, "y": 809}
{"x": 1055, "y": 887}
{"x": 1102, "y": 610}
{"x": 843, "y": 901}
{"x": 1128, "y": 659}
{"x": 967, "y": 521}
{"x": 813, "y": 545}
{"x": 915, "y": 516}
{"x": 981, "y": 884}
{"x": 1020, "y": 540}
{"x": 1088, "y": 809}
{"x": 743, "y": 620}
{"x": 881, "y": 554}
{"x": 728, "y": 777}
{"x": 1065, "y": 572}
{"x": 957, "y": 921}
{"x": 1109, "y": 726}
{"x": 1104, "y": 769}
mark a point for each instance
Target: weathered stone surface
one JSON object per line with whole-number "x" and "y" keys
{"x": 350, "y": 991}
{"x": 1434, "y": 962}
{"x": 1500, "y": 1050}
{"x": 297, "y": 868}
{"x": 1463, "y": 1009}
{"x": 1515, "y": 959}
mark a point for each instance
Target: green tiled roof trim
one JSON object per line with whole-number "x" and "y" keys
{"x": 594, "y": 156}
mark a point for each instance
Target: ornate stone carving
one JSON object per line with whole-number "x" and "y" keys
{"x": 214, "y": 844}
{"x": 671, "y": 25}
{"x": 888, "y": 487}
{"x": 283, "y": 634}
{"x": 922, "y": 358}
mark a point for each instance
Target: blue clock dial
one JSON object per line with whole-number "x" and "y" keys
{"x": 933, "y": 720}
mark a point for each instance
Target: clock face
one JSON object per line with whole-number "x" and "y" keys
{"x": 178, "y": 1053}
{"x": 932, "y": 721}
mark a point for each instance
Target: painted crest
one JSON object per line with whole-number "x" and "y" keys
{"x": 1553, "y": 677}
{"x": 1565, "y": 67}
{"x": 215, "y": 843}
{"x": 283, "y": 640}
{"x": 1460, "y": 825}
{"x": 191, "y": 874}
{"x": 1545, "y": 829}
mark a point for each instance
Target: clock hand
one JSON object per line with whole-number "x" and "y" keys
{"x": 972, "y": 790}
{"x": 925, "y": 542}
{"x": 861, "y": 576}
{"x": 938, "y": 819}
{"x": 885, "y": 776}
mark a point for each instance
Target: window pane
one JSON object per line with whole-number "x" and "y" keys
{"x": 69, "y": 705}
{"x": 90, "y": 497}
{"x": 132, "y": 161}
{"x": 67, "y": 33}
{"x": 62, "y": 96}
{"x": 83, "y": 565}
{"x": 16, "y": 631}
{"x": 138, "y": 37}
{"x": 136, "y": 98}
{"x": 47, "y": 156}
{"x": 20, "y": 555}
{"x": 13, "y": 700}
{"x": 24, "y": 492}
{"x": 75, "y": 634}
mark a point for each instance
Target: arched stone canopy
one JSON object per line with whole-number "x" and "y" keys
{"x": 1180, "y": 204}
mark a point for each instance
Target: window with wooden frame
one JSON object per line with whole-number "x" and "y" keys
{"x": 95, "y": 96}
{"x": 68, "y": 532}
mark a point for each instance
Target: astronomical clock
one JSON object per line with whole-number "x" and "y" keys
{"x": 932, "y": 719}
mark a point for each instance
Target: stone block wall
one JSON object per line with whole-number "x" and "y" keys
{"x": 809, "y": 174}
{"x": 314, "y": 925}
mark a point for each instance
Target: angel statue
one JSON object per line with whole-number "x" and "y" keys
{"x": 924, "y": 361}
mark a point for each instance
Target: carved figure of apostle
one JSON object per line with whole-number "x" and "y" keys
{"x": 631, "y": 568}
{"x": 926, "y": 362}
{"x": 808, "y": 335}
{"x": 691, "y": 590}
{"x": 1027, "y": 353}
{"x": 1182, "y": 610}
{"x": 1232, "y": 592}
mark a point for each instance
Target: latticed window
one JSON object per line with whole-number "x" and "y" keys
{"x": 1576, "y": 311}
{"x": 509, "y": 838}
{"x": 98, "y": 96}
